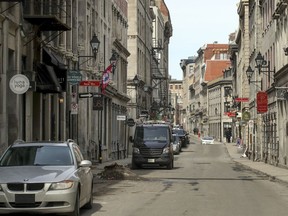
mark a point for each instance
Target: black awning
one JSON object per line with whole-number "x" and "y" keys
{"x": 61, "y": 77}
{"x": 46, "y": 79}
{"x": 52, "y": 59}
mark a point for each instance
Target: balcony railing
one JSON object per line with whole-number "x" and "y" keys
{"x": 48, "y": 15}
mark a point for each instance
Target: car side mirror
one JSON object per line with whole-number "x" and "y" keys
{"x": 131, "y": 139}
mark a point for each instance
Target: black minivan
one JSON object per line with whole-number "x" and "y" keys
{"x": 152, "y": 144}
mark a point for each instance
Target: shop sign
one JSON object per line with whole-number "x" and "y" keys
{"x": 121, "y": 117}
{"x": 241, "y": 99}
{"x": 246, "y": 116}
{"x": 262, "y": 102}
{"x": 98, "y": 102}
{"x": 19, "y": 84}
{"x": 74, "y": 77}
{"x": 90, "y": 83}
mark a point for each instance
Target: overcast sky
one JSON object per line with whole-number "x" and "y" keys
{"x": 198, "y": 22}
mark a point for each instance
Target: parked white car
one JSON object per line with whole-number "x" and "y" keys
{"x": 45, "y": 177}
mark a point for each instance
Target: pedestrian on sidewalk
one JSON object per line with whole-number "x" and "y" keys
{"x": 228, "y": 135}
{"x": 238, "y": 142}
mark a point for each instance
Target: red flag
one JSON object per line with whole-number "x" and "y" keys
{"x": 105, "y": 77}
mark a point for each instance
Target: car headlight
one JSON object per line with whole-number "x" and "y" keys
{"x": 62, "y": 185}
{"x": 136, "y": 150}
{"x": 166, "y": 150}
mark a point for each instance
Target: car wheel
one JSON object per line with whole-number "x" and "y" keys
{"x": 134, "y": 165}
{"x": 170, "y": 165}
{"x": 89, "y": 204}
{"x": 76, "y": 211}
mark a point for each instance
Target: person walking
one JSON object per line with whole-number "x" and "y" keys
{"x": 228, "y": 136}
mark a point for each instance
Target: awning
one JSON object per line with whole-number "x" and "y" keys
{"x": 54, "y": 60}
{"x": 46, "y": 79}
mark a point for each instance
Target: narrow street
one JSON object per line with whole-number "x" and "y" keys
{"x": 205, "y": 181}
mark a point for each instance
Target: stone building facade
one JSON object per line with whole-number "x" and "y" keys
{"x": 51, "y": 45}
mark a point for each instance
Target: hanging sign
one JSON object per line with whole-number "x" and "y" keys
{"x": 19, "y": 84}
{"x": 74, "y": 77}
{"x": 97, "y": 102}
{"x": 241, "y": 99}
{"x": 246, "y": 116}
{"x": 262, "y": 102}
{"x": 90, "y": 83}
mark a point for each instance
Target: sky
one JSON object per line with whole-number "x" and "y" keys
{"x": 196, "y": 23}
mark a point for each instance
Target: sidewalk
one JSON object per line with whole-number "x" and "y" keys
{"x": 274, "y": 173}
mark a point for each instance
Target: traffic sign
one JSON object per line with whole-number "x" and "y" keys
{"x": 130, "y": 122}
{"x": 74, "y": 108}
{"x": 85, "y": 95}
{"x": 90, "y": 83}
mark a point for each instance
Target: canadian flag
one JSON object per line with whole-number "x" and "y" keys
{"x": 106, "y": 78}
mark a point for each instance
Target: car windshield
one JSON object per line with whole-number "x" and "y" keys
{"x": 37, "y": 156}
{"x": 151, "y": 133}
{"x": 208, "y": 138}
{"x": 179, "y": 132}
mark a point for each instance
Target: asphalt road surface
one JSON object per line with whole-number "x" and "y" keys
{"x": 204, "y": 182}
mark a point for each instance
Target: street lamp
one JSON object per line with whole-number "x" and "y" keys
{"x": 113, "y": 60}
{"x": 262, "y": 65}
{"x": 136, "y": 80}
{"x": 95, "y": 43}
{"x": 260, "y": 61}
{"x": 249, "y": 73}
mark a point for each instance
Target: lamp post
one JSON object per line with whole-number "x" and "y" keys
{"x": 113, "y": 60}
{"x": 136, "y": 82}
{"x": 263, "y": 66}
{"x": 94, "y": 43}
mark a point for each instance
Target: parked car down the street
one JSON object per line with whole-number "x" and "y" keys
{"x": 207, "y": 140}
{"x": 152, "y": 144}
{"x": 45, "y": 177}
{"x": 176, "y": 144}
{"x": 182, "y": 133}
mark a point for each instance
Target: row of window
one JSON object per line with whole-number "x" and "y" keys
{"x": 175, "y": 86}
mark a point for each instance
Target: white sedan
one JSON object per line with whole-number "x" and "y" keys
{"x": 207, "y": 140}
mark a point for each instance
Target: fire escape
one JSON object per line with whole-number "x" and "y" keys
{"x": 48, "y": 20}
{"x": 47, "y": 15}
{"x": 159, "y": 76}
